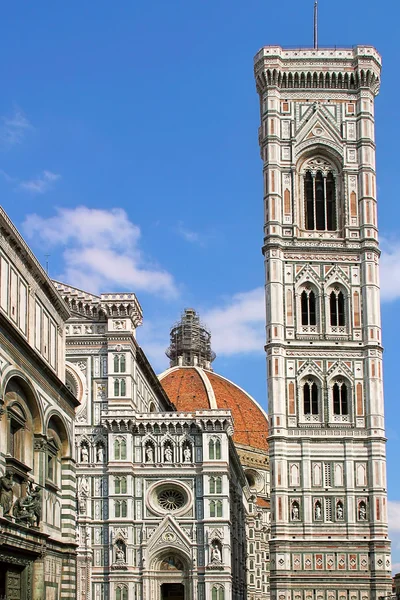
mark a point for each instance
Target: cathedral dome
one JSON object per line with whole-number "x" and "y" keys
{"x": 195, "y": 388}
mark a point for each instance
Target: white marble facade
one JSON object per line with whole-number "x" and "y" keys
{"x": 161, "y": 508}
{"x": 329, "y": 537}
{"x": 37, "y": 474}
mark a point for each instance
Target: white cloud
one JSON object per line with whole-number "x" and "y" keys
{"x": 394, "y": 515}
{"x": 390, "y": 270}
{"x": 101, "y": 250}
{"x": 188, "y": 235}
{"x": 238, "y": 325}
{"x": 13, "y": 128}
{"x": 40, "y": 184}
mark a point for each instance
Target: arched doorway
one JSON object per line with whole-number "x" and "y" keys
{"x": 172, "y": 591}
{"x": 170, "y": 577}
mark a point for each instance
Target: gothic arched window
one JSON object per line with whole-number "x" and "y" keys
{"x": 340, "y": 400}
{"x": 121, "y": 593}
{"x": 310, "y": 398}
{"x": 308, "y": 308}
{"x": 336, "y": 307}
{"x": 217, "y": 449}
{"x": 211, "y": 450}
{"x": 117, "y": 450}
{"x": 123, "y": 449}
{"x": 319, "y": 197}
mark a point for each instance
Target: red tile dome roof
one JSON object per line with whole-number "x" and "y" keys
{"x": 194, "y": 388}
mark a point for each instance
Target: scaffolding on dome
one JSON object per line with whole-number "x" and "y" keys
{"x": 190, "y": 342}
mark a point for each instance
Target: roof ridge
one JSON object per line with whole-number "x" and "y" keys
{"x": 209, "y": 388}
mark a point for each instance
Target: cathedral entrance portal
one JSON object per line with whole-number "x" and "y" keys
{"x": 172, "y": 591}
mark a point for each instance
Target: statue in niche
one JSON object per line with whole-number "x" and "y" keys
{"x": 317, "y": 511}
{"x": 28, "y": 510}
{"x": 83, "y": 494}
{"x": 216, "y": 556}
{"x": 362, "y": 511}
{"x": 84, "y": 453}
{"x": 6, "y": 492}
{"x": 339, "y": 511}
{"x": 295, "y": 511}
{"x": 100, "y": 453}
{"x": 168, "y": 454}
{"x": 149, "y": 453}
{"x": 120, "y": 554}
{"x": 187, "y": 454}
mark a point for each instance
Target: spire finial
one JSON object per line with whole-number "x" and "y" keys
{"x": 316, "y": 24}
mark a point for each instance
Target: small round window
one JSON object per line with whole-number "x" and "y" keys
{"x": 169, "y": 497}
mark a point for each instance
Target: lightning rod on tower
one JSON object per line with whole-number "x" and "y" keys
{"x": 316, "y": 24}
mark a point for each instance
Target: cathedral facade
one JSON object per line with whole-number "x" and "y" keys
{"x": 162, "y": 495}
{"x": 329, "y": 538}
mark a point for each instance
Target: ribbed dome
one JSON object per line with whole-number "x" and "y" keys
{"x": 194, "y": 388}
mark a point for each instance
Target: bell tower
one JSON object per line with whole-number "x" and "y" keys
{"x": 329, "y": 538}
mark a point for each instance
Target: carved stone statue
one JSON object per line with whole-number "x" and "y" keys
{"x": 119, "y": 555}
{"x": 6, "y": 492}
{"x": 216, "y": 553}
{"x": 168, "y": 454}
{"x": 339, "y": 511}
{"x": 100, "y": 453}
{"x": 149, "y": 454}
{"x": 83, "y": 494}
{"x": 317, "y": 511}
{"x": 362, "y": 511}
{"x": 295, "y": 512}
{"x": 84, "y": 453}
{"x": 187, "y": 455}
{"x": 28, "y": 510}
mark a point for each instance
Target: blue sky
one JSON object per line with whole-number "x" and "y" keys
{"x": 128, "y": 152}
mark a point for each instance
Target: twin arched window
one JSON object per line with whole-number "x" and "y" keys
{"x": 218, "y": 593}
{"x": 336, "y": 309}
{"x": 340, "y": 400}
{"x": 320, "y": 200}
{"x": 308, "y": 308}
{"x": 120, "y": 508}
{"x": 119, "y": 387}
{"x": 120, "y": 485}
{"x": 119, "y": 363}
{"x": 121, "y": 593}
{"x": 216, "y": 508}
{"x": 310, "y": 398}
{"x": 215, "y": 485}
{"x": 214, "y": 449}
{"x": 120, "y": 449}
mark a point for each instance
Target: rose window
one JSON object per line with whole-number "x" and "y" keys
{"x": 171, "y": 499}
